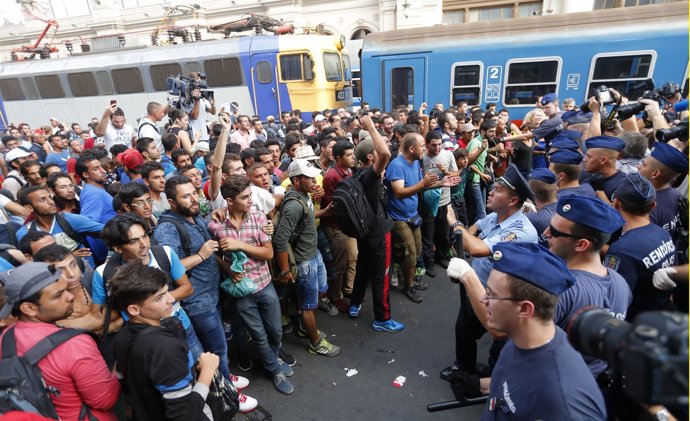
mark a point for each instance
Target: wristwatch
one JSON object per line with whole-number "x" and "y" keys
{"x": 283, "y": 273}
{"x": 456, "y": 224}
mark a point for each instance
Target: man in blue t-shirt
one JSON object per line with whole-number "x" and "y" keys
{"x": 643, "y": 248}
{"x": 577, "y": 232}
{"x": 404, "y": 180}
{"x": 95, "y": 201}
{"x": 519, "y": 301}
{"x": 60, "y": 153}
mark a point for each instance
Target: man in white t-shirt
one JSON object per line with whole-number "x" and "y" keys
{"x": 199, "y": 114}
{"x": 113, "y": 129}
{"x": 148, "y": 125}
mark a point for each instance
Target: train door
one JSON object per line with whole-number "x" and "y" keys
{"x": 265, "y": 85}
{"x": 404, "y": 82}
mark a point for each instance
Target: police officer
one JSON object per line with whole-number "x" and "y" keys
{"x": 507, "y": 223}
{"x": 543, "y": 184}
{"x": 577, "y": 232}
{"x": 565, "y": 163}
{"x": 600, "y": 162}
{"x": 643, "y": 248}
{"x": 538, "y": 374}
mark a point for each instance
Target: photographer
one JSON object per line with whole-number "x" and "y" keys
{"x": 202, "y": 107}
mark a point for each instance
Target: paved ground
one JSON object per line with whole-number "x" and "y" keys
{"x": 323, "y": 391}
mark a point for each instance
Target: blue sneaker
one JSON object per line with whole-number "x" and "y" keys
{"x": 354, "y": 310}
{"x": 388, "y": 326}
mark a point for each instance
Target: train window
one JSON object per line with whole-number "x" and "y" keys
{"x": 346, "y": 67}
{"x": 105, "y": 84}
{"x": 331, "y": 64}
{"x": 466, "y": 83}
{"x": 128, "y": 81}
{"x": 30, "y": 88}
{"x": 192, "y": 66}
{"x": 356, "y": 84}
{"x": 529, "y": 79}
{"x": 291, "y": 67}
{"x": 49, "y": 86}
{"x": 264, "y": 72}
{"x": 11, "y": 90}
{"x": 223, "y": 72}
{"x": 621, "y": 71}
{"x": 160, "y": 72}
{"x": 82, "y": 84}
{"x": 402, "y": 86}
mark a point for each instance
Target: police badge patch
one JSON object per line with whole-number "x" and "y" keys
{"x": 509, "y": 237}
{"x": 612, "y": 262}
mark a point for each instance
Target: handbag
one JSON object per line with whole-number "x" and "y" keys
{"x": 223, "y": 398}
{"x": 414, "y": 222}
{"x": 239, "y": 289}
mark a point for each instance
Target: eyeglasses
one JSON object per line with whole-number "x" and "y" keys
{"x": 556, "y": 234}
{"x": 489, "y": 295}
{"x": 143, "y": 203}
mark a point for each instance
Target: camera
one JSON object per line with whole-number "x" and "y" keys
{"x": 679, "y": 132}
{"x": 649, "y": 356}
{"x": 602, "y": 95}
{"x": 629, "y": 110}
{"x": 181, "y": 87}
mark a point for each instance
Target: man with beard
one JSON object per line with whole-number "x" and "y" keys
{"x": 69, "y": 230}
{"x": 96, "y": 203}
{"x": 38, "y": 296}
{"x": 193, "y": 173}
{"x": 186, "y": 232}
{"x": 31, "y": 171}
{"x": 64, "y": 193}
{"x": 477, "y": 149}
{"x": 113, "y": 128}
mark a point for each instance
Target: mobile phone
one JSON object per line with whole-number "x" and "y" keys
{"x": 113, "y": 101}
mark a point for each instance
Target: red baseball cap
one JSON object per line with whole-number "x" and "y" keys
{"x": 131, "y": 158}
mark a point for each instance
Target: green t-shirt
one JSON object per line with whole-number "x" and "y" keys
{"x": 475, "y": 144}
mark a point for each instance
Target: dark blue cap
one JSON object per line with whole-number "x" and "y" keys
{"x": 590, "y": 212}
{"x": 543, "y": 174}
{"x": 576, "y": 117}
{"x": 549, "y": 98}
{"x": 605, "y": 142}
{"x": 566, "y": 156}
{"x": 564, "y": 143}
{"x": 671, "y": 157}
{"x": 568, "y": 134}
{"x": 635, "y": 189}
{"x": 514, "y": 180}
{"x": 534, "y": 264}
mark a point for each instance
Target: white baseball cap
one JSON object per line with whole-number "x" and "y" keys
{"x": 16, "y": 153}
{"x": 305, "y": 152}
{"x": 303, "y": 167}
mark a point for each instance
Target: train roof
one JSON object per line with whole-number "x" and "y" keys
{"x": 136, "y": 56}
{"x": 662, "y": 17}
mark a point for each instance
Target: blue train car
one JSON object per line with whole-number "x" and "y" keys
{"x": 513, "y": 62}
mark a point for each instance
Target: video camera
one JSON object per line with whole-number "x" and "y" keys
{"x": 626, "y": 111}
{"x": 181, "y": 87}
{"x": 649, "y": 356}
{"x": 679, "y": 132}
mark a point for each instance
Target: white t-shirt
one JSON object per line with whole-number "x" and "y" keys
{"x": 121, "y": 136}
{"x": 262, "y": 199}
{"x": 199, "y": 125}
{"x": 148, "y": 128}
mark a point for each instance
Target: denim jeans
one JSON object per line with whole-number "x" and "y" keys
{"x": 209, "y": 329}
{"x": 478, "y": 201}
{"x": 261, "y": 313}
{"x": 193, "y": 343}
{"x": 311, "y": 281}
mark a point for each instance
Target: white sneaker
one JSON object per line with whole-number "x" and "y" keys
{"x": 239, "y": 381}
{"x": 247, "y": 403}
{"x": 394, "y": 275}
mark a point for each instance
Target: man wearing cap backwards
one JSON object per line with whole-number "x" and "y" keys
{"x": 297, "y": 228}
{"x": 577, "y": 232}
{"x": 565, "y": 163}
{"x": 600, "y": 162}
{"x": 643, "y": 248}
{"x": 14, "y": 179}
{"x": 543, "y": 185}
{"x": 507, "y": 223}
{"x": 538, "y": 374}
{"x": 38, "y": 296}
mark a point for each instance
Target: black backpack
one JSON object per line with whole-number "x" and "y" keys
{"x": 351, "y": 209}
{"x": 185, "y": 239}
{"x": 62, "y": 222}
{"x": 22, "y": 387}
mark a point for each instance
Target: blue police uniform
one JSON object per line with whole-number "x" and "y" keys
{"x": 584, "y": 190}
{"x": 551, "y": 381}
{"x": 666, "y": 213}
{"x": 607, "y": 184}
{"x": 541, "y": 218}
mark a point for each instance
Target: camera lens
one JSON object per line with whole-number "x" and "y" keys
{"x": 594, "y": 332}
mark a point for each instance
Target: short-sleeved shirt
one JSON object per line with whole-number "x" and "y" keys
{"x": 331, "y": 179}
{"x": 666, "y": 213}
{"x": 457, "y": 192}
{"x": 609, "y": 184}
{"x": 541, "y": 220}
{"x": 431, "y": 163}
{"x": 550, "y": 382}
{"x": 250, "y": 232}
{"x": 411, "y": 173}
{"x": 293, "y": 221}
{"x": 376, "y": 196}
{"x": 636, "y": 256}
{"x": 114, "y": 136}
{"x": 59, "y": 159}
{"x": 548, "y": 129}
{"x": 584, "y": 190}
{"x": 479, "y": 163}
{"x": 515, "y": 228}
{"x": 148, "y": 128}
{"x": 242, "y": 140}
{"x": 609, "y": 292}
{"x": 199, "y": 124}
{"x": 205, "y": 277}
{"x": 96, "y": 204}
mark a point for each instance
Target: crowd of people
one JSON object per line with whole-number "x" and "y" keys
{"x": 193, "y": 231}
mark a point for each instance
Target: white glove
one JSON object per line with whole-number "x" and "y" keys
{"x": 662, "y": 278}
{"x": 457, "y": 268}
